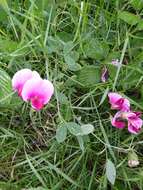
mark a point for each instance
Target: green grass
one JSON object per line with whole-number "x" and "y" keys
{"x": 69, "y": 42}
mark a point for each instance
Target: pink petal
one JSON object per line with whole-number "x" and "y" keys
{"x": 20, "y": 78}
{"x": 133, "y": 129}
{"x": 37, "y": 103}
{"x": 38, "y": 91}
{"x": 125, "y": 105}
{"x": 134, "y": 122}
{"x": 138, "y": 114}
{"x": 118, "y": 102}
{"x": 117, "y": 120}
{"x": 114, "y": 97}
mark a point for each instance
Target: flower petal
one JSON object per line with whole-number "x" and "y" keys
{"x": 114, "y": 97}
{"x": 133, "y": 129}
{"x": 134, "y": 122}
{"x": 118, "y": 102}
{"x": 21, "y": 77}
{"x": 38, "y": 91}
{"x": 117, "y": 120}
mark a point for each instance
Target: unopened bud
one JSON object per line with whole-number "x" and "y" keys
{"x": 133, "y": 159}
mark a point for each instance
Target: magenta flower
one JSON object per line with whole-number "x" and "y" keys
{"x": 21, "y": 77}
{"x": 118, "y": 102}
{"x": 38, "y": 91}
{"x": 134, "y": 122}
{"x": 118, "y": 120}
{"x": 132, "y": 118}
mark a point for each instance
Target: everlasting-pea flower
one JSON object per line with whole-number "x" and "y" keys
{"x": 118, "y": 102}
{"x": 21, "y": 77}
{"x": 132, "y": 118}
{"x": 134, "y": 122}
{"x": 118, "y": 120}
{"x": 38, "y": 91}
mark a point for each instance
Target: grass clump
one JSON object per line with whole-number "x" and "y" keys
{"x": 69, "y": 42}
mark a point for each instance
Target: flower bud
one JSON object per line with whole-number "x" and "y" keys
{"x": 133, "y": 159}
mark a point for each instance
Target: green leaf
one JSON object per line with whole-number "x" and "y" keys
{"x": 129, "y": 17}
{"x": 4, "y": 5}
{"x": 74, "y": 128}
{"x": 7, "y": 45}
{"x": 54, "y": 45}
{"x": 140, "y": 25}
{"x": 96, "y": 49}
{"x": 72, "y": 65}
{"x": 112, "y": 71}
{"x": 44, "y": 4}
{"x": 87, "y": 129}
{"x": 5, "y": 87}
{"x": 68, "y": 47}
{"x": 89, "y": 76}
{"x": 137, "y": 4}
{"x": 71, "y": 57}
{"x": 66, "y": 111}
{"x": 61, "y": 133}
{"x": 62, "y": 98}
{"x": 110, "y": 172}
{"x": 81, "y": 142}
{"x": 104, "y": 96}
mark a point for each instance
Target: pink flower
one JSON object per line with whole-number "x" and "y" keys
{"x": 104, "y": 74}
{"x": 132, "y": 118}
{"x": 134, "y": 122}
{"x": 118, "y": 120}
{"x": 21, "y": 77}
{"x": 118, "y": 102}
{"x": 38, "y": 91}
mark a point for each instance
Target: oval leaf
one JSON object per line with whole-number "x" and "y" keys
{"x": 74, "y": 128}
{"x": 110, "y": 172}
{"x": 61, "y": 133}
{"x": 87, "y": 129}
{"x": 129, "y": 17}
{"x": 89, "y": 76}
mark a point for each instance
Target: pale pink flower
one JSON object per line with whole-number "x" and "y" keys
{"x": 21, "y": 77}
{"x": 115, "y": 62}
{"x": 132, "y": 118}
{"x": 38, "y": 91}
{"x": 118, "y": 102}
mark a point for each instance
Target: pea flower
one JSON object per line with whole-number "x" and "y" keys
{"x": 131, "y": 118}
{"x": 118, "y": 120}
{"x": 134, "y": 122}
{"x": 104, "y": 74}
{"x": 118, "y": 102}
{"x": 21, "y": 77}
{"x": 38, "y": 92}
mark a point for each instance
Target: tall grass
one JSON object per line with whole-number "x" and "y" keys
{"x": 69, "y": 42}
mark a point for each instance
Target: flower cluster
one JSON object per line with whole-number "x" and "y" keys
{"x": 31, "y": 87}
{"x": 124, "y": 114}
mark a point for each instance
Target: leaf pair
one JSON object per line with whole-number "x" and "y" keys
{"x": 74, "y": 129}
